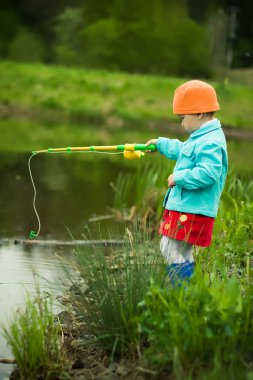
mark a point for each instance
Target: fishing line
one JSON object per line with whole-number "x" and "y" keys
{"x": 34, "y": 234}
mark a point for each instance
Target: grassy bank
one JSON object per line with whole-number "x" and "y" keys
{"x": 57, "y": 93}
{"x": 121, "y": 306}
{"x": 126, "y": 305}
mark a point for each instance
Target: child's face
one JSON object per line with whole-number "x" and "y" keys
{"x": 191, "y": 122}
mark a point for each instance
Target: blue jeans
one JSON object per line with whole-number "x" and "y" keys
{"x": 179, "y": 272}
{"x": 179, "y": 257}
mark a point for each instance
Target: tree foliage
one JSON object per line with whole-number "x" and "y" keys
{"x": 26, "y": 47}
{"x": 137, "y": 36}
{"x": 172, "y": 37}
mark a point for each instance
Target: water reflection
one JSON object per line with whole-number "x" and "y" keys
{"x": 70, "y": 189}
{"x": 18, "y": 265}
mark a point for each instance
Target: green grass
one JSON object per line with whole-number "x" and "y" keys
{"x": 201, "y": 330}
{"x": 139, "y": 196}
{"x": 55, "y": 92}
{"x": 107, "y": 290}
{"x": 204, "y": 327}
{"x": 34, "y": 337}
{"x": 206, "y": 324}
{"x": 242, "y": 76}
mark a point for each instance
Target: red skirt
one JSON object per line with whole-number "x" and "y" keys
{"x": 193, "y": 228}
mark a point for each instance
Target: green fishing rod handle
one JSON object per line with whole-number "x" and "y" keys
{"x": 151, "y": 147}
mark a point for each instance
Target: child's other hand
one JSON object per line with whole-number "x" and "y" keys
{"x": 153, "y": 141}
{"x": 171, "y": 182}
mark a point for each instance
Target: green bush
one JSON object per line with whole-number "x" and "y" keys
{"x": 134, "y": 37}
{"x": 99, "y": 40}
{"x": 26, "y": 47}
{"x": 8, "y": 28}
{"x": 204, "y": 325}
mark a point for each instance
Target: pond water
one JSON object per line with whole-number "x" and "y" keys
{"x": 71, "y": 189}
{"x": 18, "y": 267}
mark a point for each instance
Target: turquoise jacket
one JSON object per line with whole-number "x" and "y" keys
{"x": 200, "y": 171}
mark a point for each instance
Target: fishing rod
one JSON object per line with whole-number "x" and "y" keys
{"x": 130, "y": 152}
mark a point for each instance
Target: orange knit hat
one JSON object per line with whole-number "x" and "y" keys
{"x": 195, "y": 96}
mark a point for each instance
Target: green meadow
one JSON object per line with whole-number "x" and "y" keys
{"x": 113, "y": 98}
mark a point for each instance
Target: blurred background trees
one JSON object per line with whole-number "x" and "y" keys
{"x": 167, "y": 37}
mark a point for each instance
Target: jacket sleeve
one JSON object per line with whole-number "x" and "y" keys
{"x": 169, "y": 147}
{"x": 207, "y": 170}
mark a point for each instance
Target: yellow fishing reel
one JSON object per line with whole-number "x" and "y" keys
{"x": 131, "y": 153}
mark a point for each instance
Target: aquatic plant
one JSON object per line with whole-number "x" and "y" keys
{"x": 139, "y": 196}
{"x": 239, "y": 187}
{"x": 108, "y": 289}
{"x": 34, "y": 337}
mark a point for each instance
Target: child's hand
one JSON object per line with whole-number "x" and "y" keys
{"x": 153, "y": 141}
{"x": 171, "y": 182}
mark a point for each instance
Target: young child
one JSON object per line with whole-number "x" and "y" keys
{"x": 198, "y": 178}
